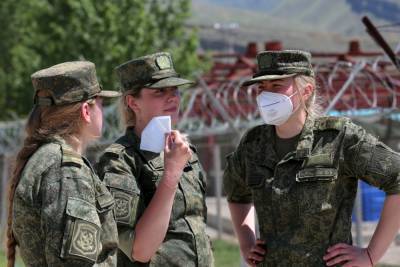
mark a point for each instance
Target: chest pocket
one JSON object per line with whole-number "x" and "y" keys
{"x": 104, "y": 200}
{"x": 316, "y": 184}
{"x": 154, "y": 168}
{"x": 317, "y": 180}
{"x": 151, "y": 174}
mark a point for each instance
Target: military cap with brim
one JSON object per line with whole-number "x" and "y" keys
{"x": 153, "y": 71}
{"x": 68, "y": 82}
{"x": 273, "y": 65}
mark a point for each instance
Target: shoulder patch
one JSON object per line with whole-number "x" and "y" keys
{"x": 114, "y": 150}
{"x": 71, "y": 158}
{"x": 330, "y": 123}
{"x": 85, "y": 240}
{"x": 115, "y": 147}
{"x": 124, "y": 142}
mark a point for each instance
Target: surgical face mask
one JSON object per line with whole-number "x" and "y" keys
{"x": 275, "y": 109}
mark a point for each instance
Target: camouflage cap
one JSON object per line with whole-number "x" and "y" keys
{"x": 68, "y": 82}
{"x": 151, "y": 71}
{"x": 274, "y": 65}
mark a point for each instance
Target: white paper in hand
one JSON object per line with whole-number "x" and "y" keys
{"x": 153, "y": 135}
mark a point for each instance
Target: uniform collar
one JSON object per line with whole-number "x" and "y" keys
{"x": 70, "y": 156}
{"x": 65, "y": 146}
{"x": 132, "y": 139}
{"x": 304, "y": 146}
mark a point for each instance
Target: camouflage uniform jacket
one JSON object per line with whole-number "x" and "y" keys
{"x": 304, "y": 202}
{"x": 132, "y": 176}
{"x": 62, "y": 213}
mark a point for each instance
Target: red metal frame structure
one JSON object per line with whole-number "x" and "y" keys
{"x": 357, "y": 83}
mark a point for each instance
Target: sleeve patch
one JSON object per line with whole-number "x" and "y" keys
{"x": 85, "y": 240}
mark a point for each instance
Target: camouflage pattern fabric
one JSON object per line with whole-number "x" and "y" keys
{"x": 132, "y": 176}
{"x": 274, "y": 65}
{"x": 304, "y": 201}
{"x": 63, "y": 213}
{"x": 153, "y": 71}
{"x": 68, "y": 82}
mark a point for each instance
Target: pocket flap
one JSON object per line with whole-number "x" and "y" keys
{"x": 156, "y": 164}
{"x": 83, "y": 210}
{"x": 193, "y": 161}
{"x": 122, "y": 182}
{"x": 320, "y": 160}
{"x": 105, "y": 201}
{"x": 316, "y": 174}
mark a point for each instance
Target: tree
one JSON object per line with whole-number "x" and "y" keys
{"x": 36, "y": 34}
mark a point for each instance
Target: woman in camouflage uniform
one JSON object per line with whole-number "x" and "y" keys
{"x": 300, "y": 173}
{"x": 60, "y": 213}
{"x": 160, "y": 197}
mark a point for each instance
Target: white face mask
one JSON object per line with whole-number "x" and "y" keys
{"x": 275, "y": 109}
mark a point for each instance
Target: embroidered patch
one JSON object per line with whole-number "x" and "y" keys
{"x": 85, "y": 240}
{"x": 163, "y": 62}
{"x": 122, "y": 206}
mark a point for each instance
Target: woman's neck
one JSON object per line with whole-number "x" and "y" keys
{"x": 77, "y": 144}
{"x": 138, "y": 130}
{"x": 293, "y": 126}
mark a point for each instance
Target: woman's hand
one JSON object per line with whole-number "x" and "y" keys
{"x": 176, "y": 154}
{"x": 255, "y": 254}
{"x": 348, "y": 256}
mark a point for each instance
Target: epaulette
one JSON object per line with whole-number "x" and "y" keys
{"x": 330, "y": 123}
{"x": 114, "y": 149}
{"x": 193, "y": 148}
{"x": 71, "y": 158}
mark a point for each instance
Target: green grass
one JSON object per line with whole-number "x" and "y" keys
{"x": 226, "y": 254}
{"x": 3, "y": 262}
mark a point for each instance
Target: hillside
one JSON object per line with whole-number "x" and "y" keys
{"x": 317, "y": 25}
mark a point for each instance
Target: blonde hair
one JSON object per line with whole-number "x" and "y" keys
{"x": 44, "y": 123}
{"x": 312, "y": 104}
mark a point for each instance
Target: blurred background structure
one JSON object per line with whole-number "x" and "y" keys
{"x": 216, "y": 43}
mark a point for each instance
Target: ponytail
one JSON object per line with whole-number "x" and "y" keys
{"x": 44, "y": 123}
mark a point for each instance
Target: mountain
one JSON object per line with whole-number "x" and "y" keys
{"x": 318, "y": 25}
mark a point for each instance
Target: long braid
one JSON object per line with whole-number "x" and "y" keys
{"x": 30, "y": 146}
{"x": 42, "y": 125}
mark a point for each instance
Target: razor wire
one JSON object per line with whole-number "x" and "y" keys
{"x": 346, "y": 88}
{"x": 366, "y": 90}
